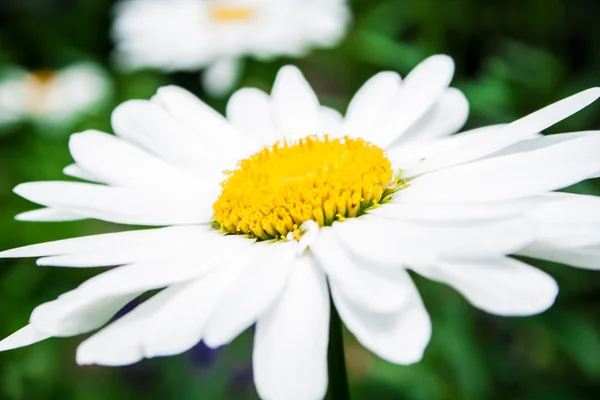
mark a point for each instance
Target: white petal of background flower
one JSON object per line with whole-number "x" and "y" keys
{"x": 76, "y": 88}
{"x": 148, "y": 33}
{"x": 221, "y": 76}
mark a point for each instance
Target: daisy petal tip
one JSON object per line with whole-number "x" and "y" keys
{"x": 594, "y": 92}
{"x": 213, "y": 341}
{"x": 171, "y": 89}
{"x": 547, "y": 293}
{"x": 289, "y": 69}
{"x": 76, "y": 139}
{"x": 586, "y": 97}
{"x": 89, "y": 355}
{"x": 22, "y": 217}
{"x": 21, "y": 338}
{"x": 21, "y": 189}
{"x": 43, "y": 262}
{"x": 69, "y": 169}
{"x": 443, "y": 60}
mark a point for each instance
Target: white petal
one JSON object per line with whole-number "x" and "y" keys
{"x": 446, "y": 117}
{"x": 396, "y": 243}
{"x": 118, "y": 344}
{"x": 452, "y": 212}
{"x": 48, "y": 215}
{"x": 368, "y": 102}
{"x": 367, "y": 287}
{"x": 168, "y": 323}
{"x": 412, "y": 156}
{"x": 568, "y": 235}
{"x": 121, "y": 205}
{"x": 76, "y": 312}
{"x": 567, "y": 208}
{"x": 147, "y": 124}
{"x": 202, "y": 120}
{"x": 181, "y": 322}
{"x": 538, "y": 142}
{"x": 76, "y": 171}
{"x": 124, "y": 254}
{"x": 170, "y": 267}
{"x": 361, "y": 236}
{"x": 253, "y": 292}
{"x": 331, "y": 121}
{"x": 129, "y": 165}
{"x": 290, "y": 343}
{"x": 508, "y": 177}
{"x": 483, "y": 145}
{"x": 501, "y": 286}
{"x": 582, "y": 257}
{"x": 567, "y": 220}
{"x": 294, "y": 104}
{"x": 220, "y": 77}
{"x": 420, "y": 90}
{"x": 249, "y": 110}
{"x": 23, "y": 337}
{"x": 94, "y": 302}
{"x": 108, "y": 242}
{"x": 399, "y": 337}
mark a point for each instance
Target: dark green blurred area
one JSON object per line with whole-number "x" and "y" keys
{"x": 512, "y": 58}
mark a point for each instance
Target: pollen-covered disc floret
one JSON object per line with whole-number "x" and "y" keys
{"x": 279, "y": 188}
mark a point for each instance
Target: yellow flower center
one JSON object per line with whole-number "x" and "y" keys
{"x": 274, "y": 191}
{"x": 38, "y": 84}
{"x": 225, "y": 13}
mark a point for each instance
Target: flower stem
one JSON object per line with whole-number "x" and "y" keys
{"x": 338, "y": 380}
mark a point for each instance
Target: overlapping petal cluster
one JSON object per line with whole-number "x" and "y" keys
{"x": 51, "y": 96}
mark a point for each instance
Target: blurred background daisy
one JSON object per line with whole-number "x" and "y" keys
{"x": 52, "y": 100}
{"x": 512, "y": 58}
{"x": 216, "y": 34}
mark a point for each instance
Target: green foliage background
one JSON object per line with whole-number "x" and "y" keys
{"x": 512, "y": 58}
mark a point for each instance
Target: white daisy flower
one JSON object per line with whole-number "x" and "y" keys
{"x": 52, "y": 97}
{"x": 311, "y": 205}
{"x": 215, "y": 34}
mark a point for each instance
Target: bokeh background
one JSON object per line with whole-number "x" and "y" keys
{"x": 512, "y": 57}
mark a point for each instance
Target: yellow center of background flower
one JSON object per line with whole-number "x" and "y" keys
{"x": 38, "y": 85}
{"x": 223, "y": 13}
{"x": 277, "y": 189}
